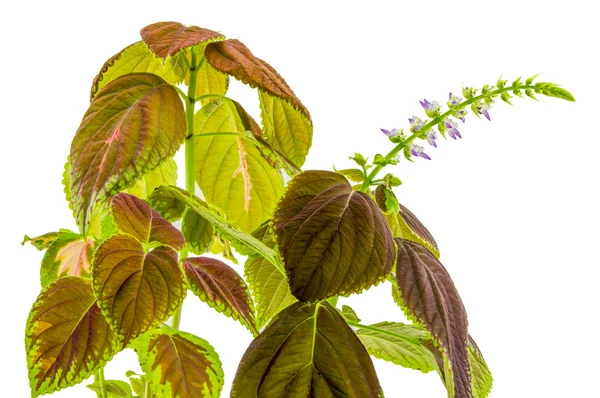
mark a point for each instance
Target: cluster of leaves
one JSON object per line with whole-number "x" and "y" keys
{"x": 116, "y": 282}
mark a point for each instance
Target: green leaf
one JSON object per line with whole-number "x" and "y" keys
{"x": 429, "y": 297}
{"x": 222, "y": 226}
{"x": 136, "y": 290}
{"x": 69, "y": 255}
{"x": 230, "y": 171}
{"x": 134, "y": 59}
{"x": 269, "y": 286}
{"x": 400, "y": 344}
{"x": 286, "y": 121}
{"x": 349, "y": 314}
{"x": 481, "y": 377}
{"x": 218, "y": 285}
{"x": 138, "y": 382}
{"x": 133, "y": 125}
{"x": 307, "y": 351}
{"x": 67, "y": 338}
{"x": 287, "y": 129}
{"x": 165, "y": 39}
{"x": 198, "y": 232}
{"x": 43, "y": 241}
{"x": 355, "y": 175}
{"x": 167, "y": 204}
{"x": 135, "y": 217}
{"x": 114, "y": 388}
{"x": 334, "y": 240}
{"x": 164, "y": 174}
{"x": 180, "y": 365}
{"x": 386, "y": 200}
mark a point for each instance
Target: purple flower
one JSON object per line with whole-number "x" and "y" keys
{"x": 431, "y": 137}
{"x": 482, "y": 109}
{"x": 451, "y": 128}
{"x": 431, "y": 108}
{"x": 416, "y": 123}
{"x": 460, "y": 114}
{"x": 417, "y": 151}
{"x": 453, "y": 100}
{"x": 391, "y": 133}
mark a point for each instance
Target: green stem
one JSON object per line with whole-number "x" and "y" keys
{"x": 147, "y": 390}
{"x": 190, "y": 180}
{"x": 99, "y": 378}
{"x": 423, "y": 130}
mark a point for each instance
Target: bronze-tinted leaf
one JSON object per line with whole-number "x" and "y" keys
{"x": 180, "y": 365}
{"x": 69, "y": 255}
{"x": 269, "y": 286}
{"x": 137, "y": 57}
{"x": 133, "y": 125}
{"x": 430, "y": 297}
{"x": 136, "y": 290}
{"x": 307, "y": 351}
{"x": 334, "y": 240}
{"x": 167, "y": 38}
{"x": 67, "y": 338}
{"x": 286, "y": 120}
{"x": 135, "y": 217}
{"x": 417, "y": 227}
{"x": 218, "y": 285}
{"x": 234, "y": 58}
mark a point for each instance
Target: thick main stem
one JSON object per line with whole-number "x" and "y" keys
{"x": 99, "y": 378}
{"x": 190, "y": 180}
{"x": 423, "y": 130}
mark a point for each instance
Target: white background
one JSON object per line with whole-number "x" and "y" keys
{"x": 513, "y": 206}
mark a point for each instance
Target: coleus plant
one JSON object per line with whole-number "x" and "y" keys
{"x": 116, "y": 282}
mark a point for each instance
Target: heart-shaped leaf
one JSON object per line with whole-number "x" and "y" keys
{"x": 307, "y": 351}
{"x": 167, "y": 38}
{"x": 218, "y": 285}
{"x": 69, "y": 255}
{"x": 334, "y": 240}
{"x": 67, "y": 338}
{"x": 269, "y": 286}
{"x": 430, "y": 297}
{"x": 180, "y": 365}
{"x": 136, "y": 290}
{"x": 135, "y": 217}
{"x": 137, "y": 57}
{"x": 230, "y": 171}
{"x": 134, "y": 124}
{"x": 286, "y": 121}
